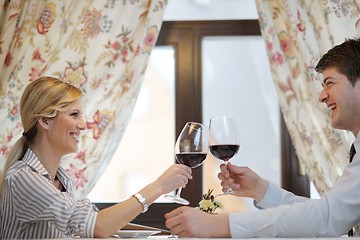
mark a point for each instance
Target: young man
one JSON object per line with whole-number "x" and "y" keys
{"x": 284, "y": 214}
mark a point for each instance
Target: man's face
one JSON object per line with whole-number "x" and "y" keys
{"x": 342, "y": 99}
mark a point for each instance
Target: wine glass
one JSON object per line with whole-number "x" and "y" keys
{"x": 224, "y": 140}
{"x": 191, "y": 148}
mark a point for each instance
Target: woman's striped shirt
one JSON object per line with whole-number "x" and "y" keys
{"x": 32, "y": 207}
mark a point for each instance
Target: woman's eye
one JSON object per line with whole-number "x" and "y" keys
{"x": 74, "y": 114}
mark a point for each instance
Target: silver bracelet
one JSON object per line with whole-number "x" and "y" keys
{"x": 141, "y": 200}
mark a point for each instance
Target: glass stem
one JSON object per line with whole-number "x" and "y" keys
{"x": 178, "y": 192}
{"x": 229, "y": 189}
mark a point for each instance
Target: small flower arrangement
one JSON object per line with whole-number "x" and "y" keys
{"x": 209, "y": 204}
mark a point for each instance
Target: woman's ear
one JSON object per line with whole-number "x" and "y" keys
{"x": 44, "y": 122}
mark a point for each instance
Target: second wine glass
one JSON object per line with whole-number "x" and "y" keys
{"x": 191, "y": 149}
{"x": 224, "y": 140}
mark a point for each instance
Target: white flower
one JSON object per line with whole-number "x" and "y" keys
{"x": 208, "y": 203}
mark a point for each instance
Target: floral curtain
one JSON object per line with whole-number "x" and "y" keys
{"x": 102, "y": 47}
{"x": 296, "y": 34}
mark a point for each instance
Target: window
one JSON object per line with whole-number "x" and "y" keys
{"x": 188, "y": 39}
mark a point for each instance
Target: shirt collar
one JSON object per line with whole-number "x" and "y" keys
{"x": 358, "y": 135}
{"x": 33, "y": 161}
{"x": 357, "y": 142}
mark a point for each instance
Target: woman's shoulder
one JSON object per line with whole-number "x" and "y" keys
{"x": 18, "y": 172}
{"x": 16, "y": 168}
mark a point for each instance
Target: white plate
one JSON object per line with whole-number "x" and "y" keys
{"x": 135, "y": 233}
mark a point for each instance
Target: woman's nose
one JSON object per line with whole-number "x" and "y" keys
{"x": 82, "y": 124}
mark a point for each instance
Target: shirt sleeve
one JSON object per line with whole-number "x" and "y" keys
{"x": 337, "y": 211}
{"x": 276, "y": 196}
{"x": 36, "y": 199}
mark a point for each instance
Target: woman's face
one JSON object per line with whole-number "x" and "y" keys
{"x": 65, "y": 128}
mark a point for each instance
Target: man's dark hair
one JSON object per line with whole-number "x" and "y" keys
{"x": 345, "y": 57}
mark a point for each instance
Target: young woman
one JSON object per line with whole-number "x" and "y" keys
{"x": 37, "y": 195}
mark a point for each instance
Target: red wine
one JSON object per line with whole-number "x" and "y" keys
{"x": 192, "y": 160}
{"x": 225, "y": 151}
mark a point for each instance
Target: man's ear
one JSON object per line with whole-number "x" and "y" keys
{"x": 44, "y": 122}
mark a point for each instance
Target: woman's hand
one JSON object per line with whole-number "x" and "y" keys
{"x": 175, "y": 176}
{"x": 243, "y": 181}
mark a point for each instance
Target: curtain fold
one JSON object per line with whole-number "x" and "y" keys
{"x": 296, "y": 34}
{"x": 103, "y": 47}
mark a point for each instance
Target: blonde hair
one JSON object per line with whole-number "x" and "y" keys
{"x": 43, "y": 97}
